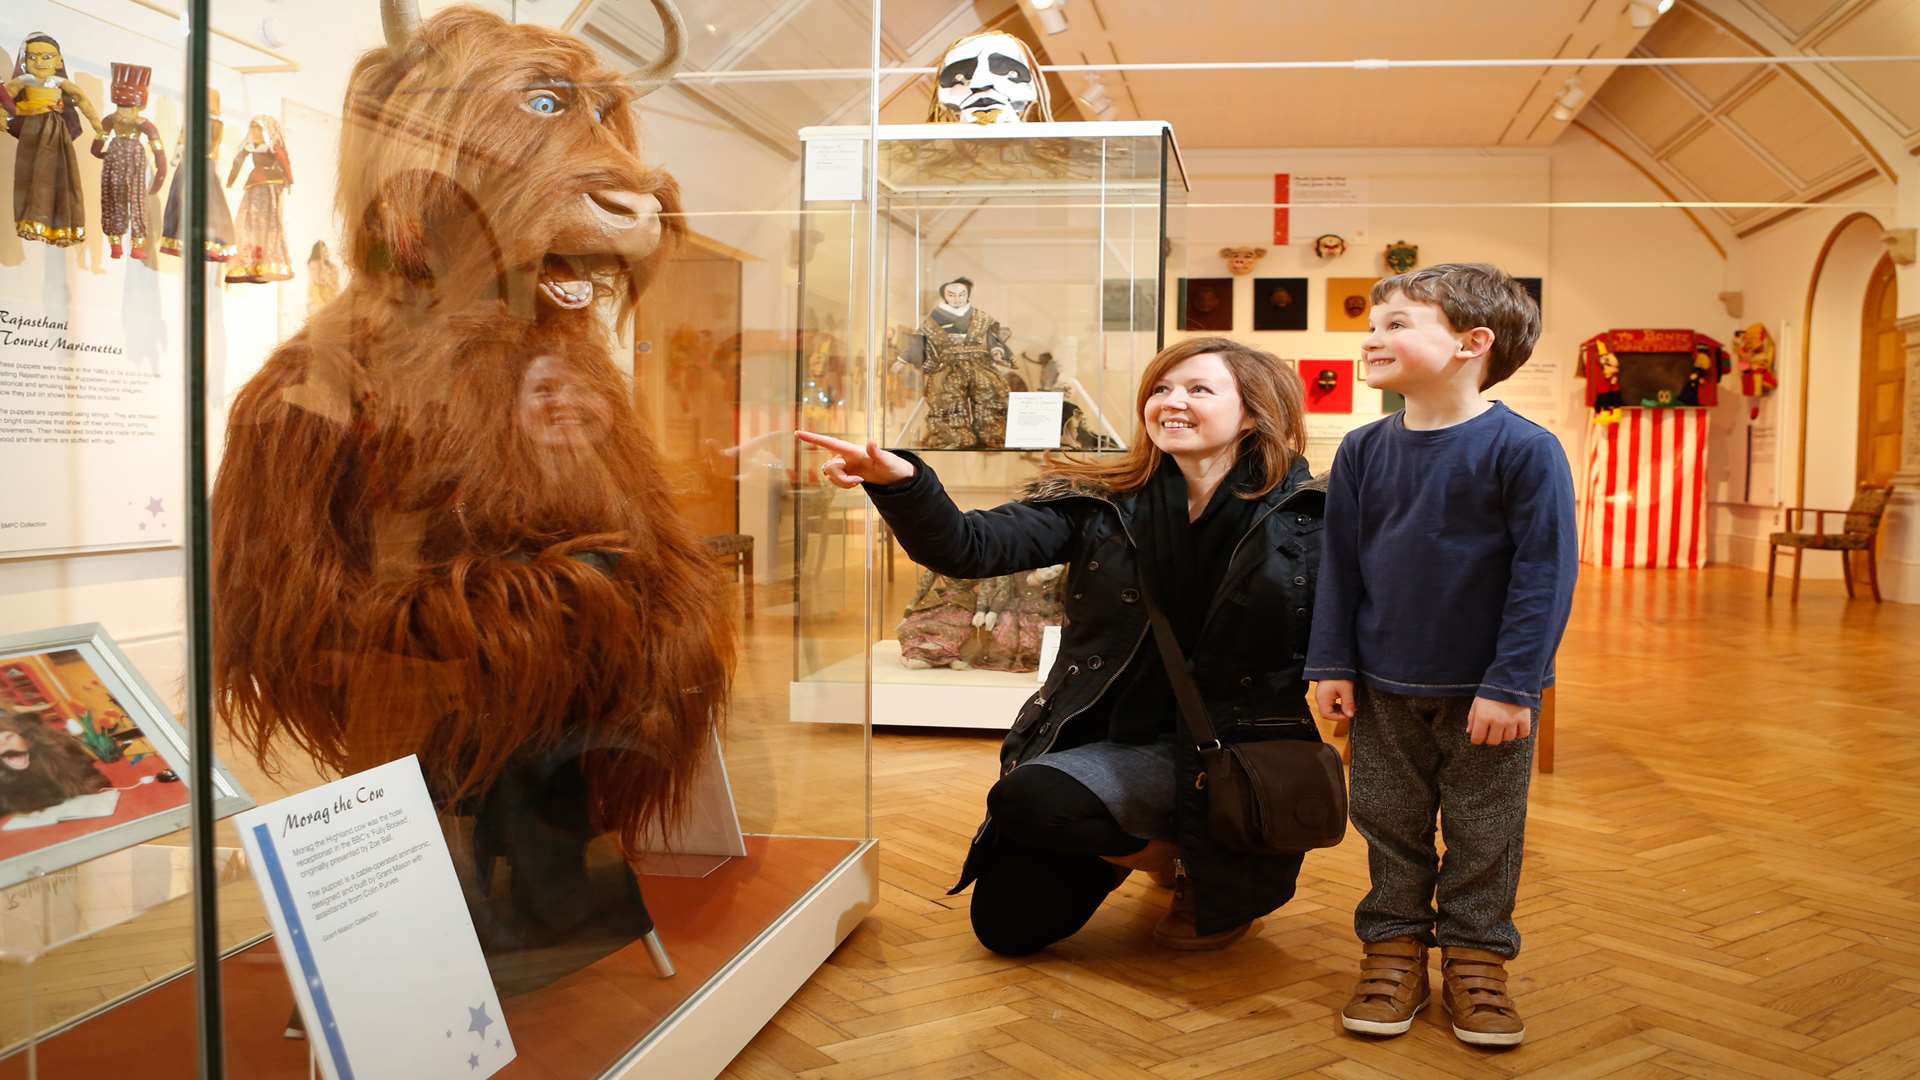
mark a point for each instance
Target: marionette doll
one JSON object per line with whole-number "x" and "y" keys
{"x": 123, "y": 179}
{"x": 965, "y": 355}
{"x": 323, "y": 277}
{"x": 43, "y": 109}
{"x": 261, "y": 254}
{"x": 219, "y": 218}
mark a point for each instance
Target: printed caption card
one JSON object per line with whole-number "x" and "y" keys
{"x": 374, "y": 932}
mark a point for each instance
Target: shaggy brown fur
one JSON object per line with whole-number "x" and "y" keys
{"x": 413, "y": 486}
{"x": 57, "y": 767}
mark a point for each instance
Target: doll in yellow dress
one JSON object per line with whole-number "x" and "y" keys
{"x": 261, "y": 254}
{"x": 43, "y": 110}
{"x": 123, "y": 176}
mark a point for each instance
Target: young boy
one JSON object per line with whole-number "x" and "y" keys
{"x": 1446, "y": 578}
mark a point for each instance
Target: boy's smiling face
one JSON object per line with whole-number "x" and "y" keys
{"x": 1412, "y": 345}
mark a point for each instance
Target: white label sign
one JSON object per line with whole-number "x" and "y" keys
{"x": 835, "y": 170}
{"x": 1033, "y": 419}
{"x": 373, "y": 930}
{"x": 90, "y": 426}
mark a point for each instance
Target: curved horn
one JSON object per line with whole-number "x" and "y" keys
{"x": 399, "y": 18}
{"x": 661, "y": 71}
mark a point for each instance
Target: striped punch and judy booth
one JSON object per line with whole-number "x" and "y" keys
{"x": 1646, "y": 489}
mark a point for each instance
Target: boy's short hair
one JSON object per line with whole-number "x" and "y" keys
{"x": 1470, "y": 295}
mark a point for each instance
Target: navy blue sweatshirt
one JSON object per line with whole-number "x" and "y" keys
{"x": 1449, "y": 558}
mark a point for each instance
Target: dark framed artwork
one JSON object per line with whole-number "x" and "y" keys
{"x": 1117, "y": 300}
{"x": 1534, "y": 287}
{"x": 1348, "y": 300}
{"x": 1206, "y": 304}
{"x": 1280, "y": 303}
{"x": 1392, "y": 401}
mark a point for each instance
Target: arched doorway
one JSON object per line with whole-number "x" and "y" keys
{"x": 1883, "y": 378}
{"x": 1829, "y": 387}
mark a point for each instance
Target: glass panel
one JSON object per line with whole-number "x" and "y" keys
{"x": 1020, "y": 296}
{"x": 500, "y": 359}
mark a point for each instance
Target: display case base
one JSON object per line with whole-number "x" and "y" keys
{"x": 744, "y": 939}
{"x": 909, "y": 697}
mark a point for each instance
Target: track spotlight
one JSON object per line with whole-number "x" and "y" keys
{"x": 1568, "y": 99}
{"x": 1053, "y": 15}
{"x": 1644, "y": 12}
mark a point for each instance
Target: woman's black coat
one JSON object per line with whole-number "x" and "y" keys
{"x": 1247, "y": 664}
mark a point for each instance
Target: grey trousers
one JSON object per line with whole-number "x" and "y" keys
{"x": 1411, "y": 760}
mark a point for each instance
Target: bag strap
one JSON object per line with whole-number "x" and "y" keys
{"x": 1184, "y": 690}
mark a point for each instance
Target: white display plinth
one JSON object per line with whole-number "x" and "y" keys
{"x": 703, "y": 1036}
{"x": 910, "y": 697}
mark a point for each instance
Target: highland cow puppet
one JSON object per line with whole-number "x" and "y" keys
{"x": 439, "y": 528}
{"x": 42, "y": 766}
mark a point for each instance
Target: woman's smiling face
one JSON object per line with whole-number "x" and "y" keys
{"x": 1194, "y": 410}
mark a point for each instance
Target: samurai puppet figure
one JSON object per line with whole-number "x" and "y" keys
{"x": 123, "y": 179}
{"x": 989, "y": 78}
{"x": 964, "y": 353}
{"x": 43, "y": 110}
{"x": 261, "y": 253}
{"x": 441, "y": 526}
{"x": 219, "y": 218}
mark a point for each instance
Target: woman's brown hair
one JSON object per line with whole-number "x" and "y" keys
{"x": 1270, "y": 392}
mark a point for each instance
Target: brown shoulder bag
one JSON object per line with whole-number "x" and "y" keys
{"x": 1273, "y": 797}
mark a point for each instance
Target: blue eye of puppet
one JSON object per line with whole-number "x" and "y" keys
{"x": 544, "y": 103}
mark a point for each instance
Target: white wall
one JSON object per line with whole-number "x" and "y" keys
{"x": 1602, "y": 268}
{"x": 1773, "y": 269}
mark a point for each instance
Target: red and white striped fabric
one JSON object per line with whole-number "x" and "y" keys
{"x": 1646, "y": 490}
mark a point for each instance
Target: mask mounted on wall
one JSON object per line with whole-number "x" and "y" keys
{"x": 1329, "y": 246}
{"x": 989, "y": 78}
{"x": 1240, "y": 260}
{"x": 1402, "y": 256}
{"x": 1354, "y": 306}
{"x": 1327, "y": 381}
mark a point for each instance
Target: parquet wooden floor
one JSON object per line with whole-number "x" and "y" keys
{"x": 1722, "y": 879}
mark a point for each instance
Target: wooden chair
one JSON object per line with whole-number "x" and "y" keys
{"x": 1858, "y": 532}
{"x": 737, "y": 549}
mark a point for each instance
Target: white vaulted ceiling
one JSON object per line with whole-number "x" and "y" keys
{"x": 1744, "y": 132}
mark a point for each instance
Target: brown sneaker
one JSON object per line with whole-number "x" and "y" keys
{"x": 1177, "y": 930}
{"x": 1474, "y": 990}
{"x": 1392, "y": 988}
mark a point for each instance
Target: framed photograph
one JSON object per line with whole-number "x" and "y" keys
{"x": 1206, "y": 303}
{"x": 1329, "y": 385}
{"x": 90, "y": 760}
{"x": 1280, "y": 303}
{"x": 1534, "y": 285}
{"x": 1117, "y": 302}
{"x": 1347, "y": 303}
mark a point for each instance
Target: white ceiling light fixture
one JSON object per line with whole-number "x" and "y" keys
{"x": 1568, "y": 99}
{"x": 1095, "y": 97}
{"x": 1644, "y": 12}
{"x": 1053, "y": 15}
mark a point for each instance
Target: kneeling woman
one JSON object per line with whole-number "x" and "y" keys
{"x": 1212, "y": 514}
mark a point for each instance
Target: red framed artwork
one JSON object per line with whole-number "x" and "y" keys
{"x": 1329, "y": 385}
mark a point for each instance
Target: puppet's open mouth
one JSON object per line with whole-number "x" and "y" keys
{"x": 568, "y": 280}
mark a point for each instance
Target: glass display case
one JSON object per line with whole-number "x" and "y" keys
{"x": 1022, "y": 288}
{"x": 436, "y": 416}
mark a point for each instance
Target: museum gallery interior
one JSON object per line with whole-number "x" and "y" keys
{"x": 428, "y": 650}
